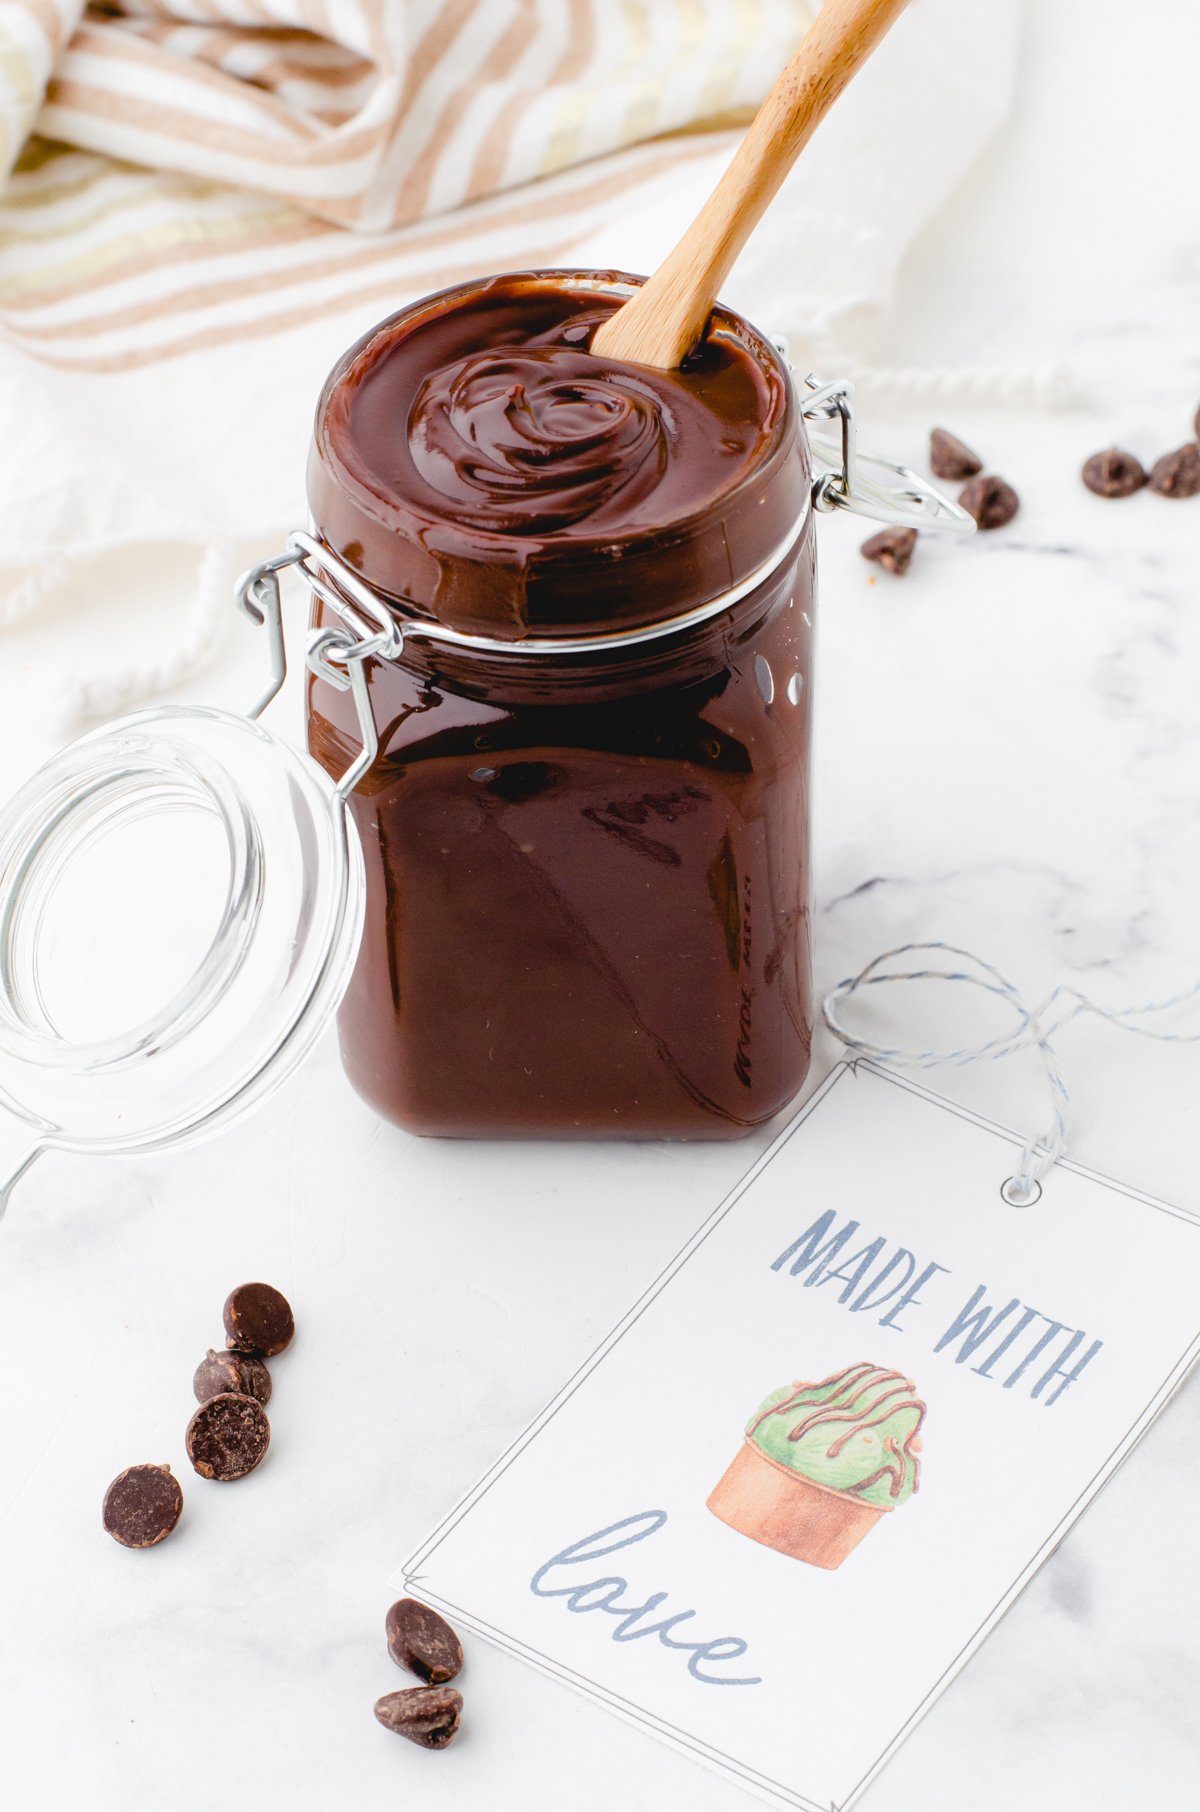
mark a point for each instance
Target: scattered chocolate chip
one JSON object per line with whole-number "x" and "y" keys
{"x": 428, "y": 1715}
{"x": 1114, "y": 473}
{"x": 219, "y": 1374}
{"x": 258, "y": 1320}
{"x": 420, "y": 1640}
{"x": 891, "y": 548}
{"x": 227, "y": 1437}
{"x": 950, "y": 457}
{"x": 990, "y": 500}
{"x": 142, "y": 1506}
{"x": 1177, "y": 474}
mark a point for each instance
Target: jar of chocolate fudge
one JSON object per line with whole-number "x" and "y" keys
{"x": 550, "y": 850}
{"x": 586, "y": 830}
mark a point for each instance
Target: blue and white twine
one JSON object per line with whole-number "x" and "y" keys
{"x": 1037, "y": 1026}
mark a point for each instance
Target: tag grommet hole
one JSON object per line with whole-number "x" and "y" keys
{"x": 1020, "y": 1194}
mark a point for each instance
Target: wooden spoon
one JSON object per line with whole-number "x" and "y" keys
{"x": 662, "y": 322}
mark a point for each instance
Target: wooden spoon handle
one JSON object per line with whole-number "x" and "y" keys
{"x": 663, "y": 321}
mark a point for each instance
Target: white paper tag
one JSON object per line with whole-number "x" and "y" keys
{"x": 782, "y": 1605}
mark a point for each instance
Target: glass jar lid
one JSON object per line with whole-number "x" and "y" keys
{"x": 181, "y": 901}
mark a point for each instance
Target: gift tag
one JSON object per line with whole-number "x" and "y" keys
{"x": 798, "y": 1484}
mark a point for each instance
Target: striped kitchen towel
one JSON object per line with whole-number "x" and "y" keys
{"x": 206, "y": 157}
{"x": 374, "y": 113}
{"x": 206, "y": 200}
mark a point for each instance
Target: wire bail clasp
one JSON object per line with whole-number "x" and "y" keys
{"x": 337, "y": 655}
{"x": 862, "y": 482}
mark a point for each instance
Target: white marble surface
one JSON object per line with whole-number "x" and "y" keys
{"x": 1009, "y": 757}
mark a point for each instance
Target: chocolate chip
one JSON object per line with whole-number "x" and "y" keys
{"x": 950, "y": 457}
{"x": 258, "y": 1320}
{"x": 218, "y": 1374}
{"x": 1114, "y": 473}
{"x": 892, "y": 549}
{"x": 1177, "y": 474}
{"x": 142, "y": 1506}
{"x": 990, "y": 500}
{"x": 428, "y": 1715}
{"x": 227, "y": 1437}
{"x": 420, "y": 1640}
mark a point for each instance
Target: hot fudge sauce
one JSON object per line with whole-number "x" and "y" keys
{"x": 587, "y": 868}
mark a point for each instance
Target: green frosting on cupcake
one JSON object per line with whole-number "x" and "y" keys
{"x": 856, "y": 1431}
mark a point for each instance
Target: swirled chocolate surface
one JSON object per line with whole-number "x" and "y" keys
{"x": 473, "y": 457}
{"x": 541, "y": 438}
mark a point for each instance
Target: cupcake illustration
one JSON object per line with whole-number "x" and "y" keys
{"x": 821, "y": 1463}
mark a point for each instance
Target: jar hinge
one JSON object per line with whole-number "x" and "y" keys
{"x": 336, "y": 655}
{"x": 862, "y": 482}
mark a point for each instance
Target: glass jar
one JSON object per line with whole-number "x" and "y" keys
{"x": 587, "y": 854}
{"x": 575, "y": 898}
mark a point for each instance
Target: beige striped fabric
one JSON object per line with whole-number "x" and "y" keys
{"x": 374, "y": 113}
{"x": 104, "y": 267}
{"x": 200, "y": 165}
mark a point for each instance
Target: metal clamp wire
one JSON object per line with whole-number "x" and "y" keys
{"x": 347, "y": 595}
{"x": 335, "y": 656}
{"x": 895, "y": 494}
